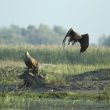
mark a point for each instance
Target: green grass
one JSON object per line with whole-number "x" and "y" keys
{"x": 56, "y": 73}
{"x": 57, "y": 54}
{"x": 78, "y": 76}
{"x": 58, "y": 76}
{"x": 24, "y": 101}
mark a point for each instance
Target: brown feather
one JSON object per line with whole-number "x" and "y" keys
{"x": 31, "y": 62}
{"x": 84, "y": 42}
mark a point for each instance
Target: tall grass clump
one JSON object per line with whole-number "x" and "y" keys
{"x": 57, "y": 54}
{"x": 106, "y": 92}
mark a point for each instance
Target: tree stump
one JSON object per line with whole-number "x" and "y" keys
{"x": 32, "y": 79}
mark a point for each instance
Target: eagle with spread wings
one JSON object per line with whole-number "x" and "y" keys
{"x": 75, "y": 37}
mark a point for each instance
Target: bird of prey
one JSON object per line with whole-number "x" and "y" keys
{"x": 75, "y": 37}
{"x": 30, "y": 62}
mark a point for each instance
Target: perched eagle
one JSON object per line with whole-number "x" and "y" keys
{"x": 30, "y": 62}
{"x": 75, "y": 37}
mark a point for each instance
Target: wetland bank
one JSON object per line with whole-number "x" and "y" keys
{"x": 72, "y": 80}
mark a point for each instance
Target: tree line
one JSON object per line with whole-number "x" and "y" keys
{"x": 104, "y": 40}
{"x": 42, "y": 34}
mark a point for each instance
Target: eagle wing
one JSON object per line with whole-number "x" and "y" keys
{"x": 84, "y": 42}
{"x": 30, "y": 61}
{"x": 34, "y": 62}
{"x": 64, "y": 40}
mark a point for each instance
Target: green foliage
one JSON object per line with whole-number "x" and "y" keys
{"x": 57, "y": 54}
{"x": 31, "y": 35}
{"x": 106, "y": 92}
{"x": 24, "y": 102}
{"x": 104, "y": 40}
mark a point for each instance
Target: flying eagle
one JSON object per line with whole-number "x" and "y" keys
{"x": 30, "y": 62}
{"x": 75, "y": 37}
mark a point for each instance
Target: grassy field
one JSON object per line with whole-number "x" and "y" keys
{"x": 69, "y": 75}
{"x": 57, "y": 54}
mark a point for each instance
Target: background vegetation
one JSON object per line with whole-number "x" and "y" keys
{"x": 42, "y": 34}
{"x": 57, "y": 54}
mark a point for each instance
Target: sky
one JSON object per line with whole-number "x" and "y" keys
{"x": 84, "y": 16}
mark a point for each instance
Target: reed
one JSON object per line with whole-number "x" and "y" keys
{"x": 57, "y": 54}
